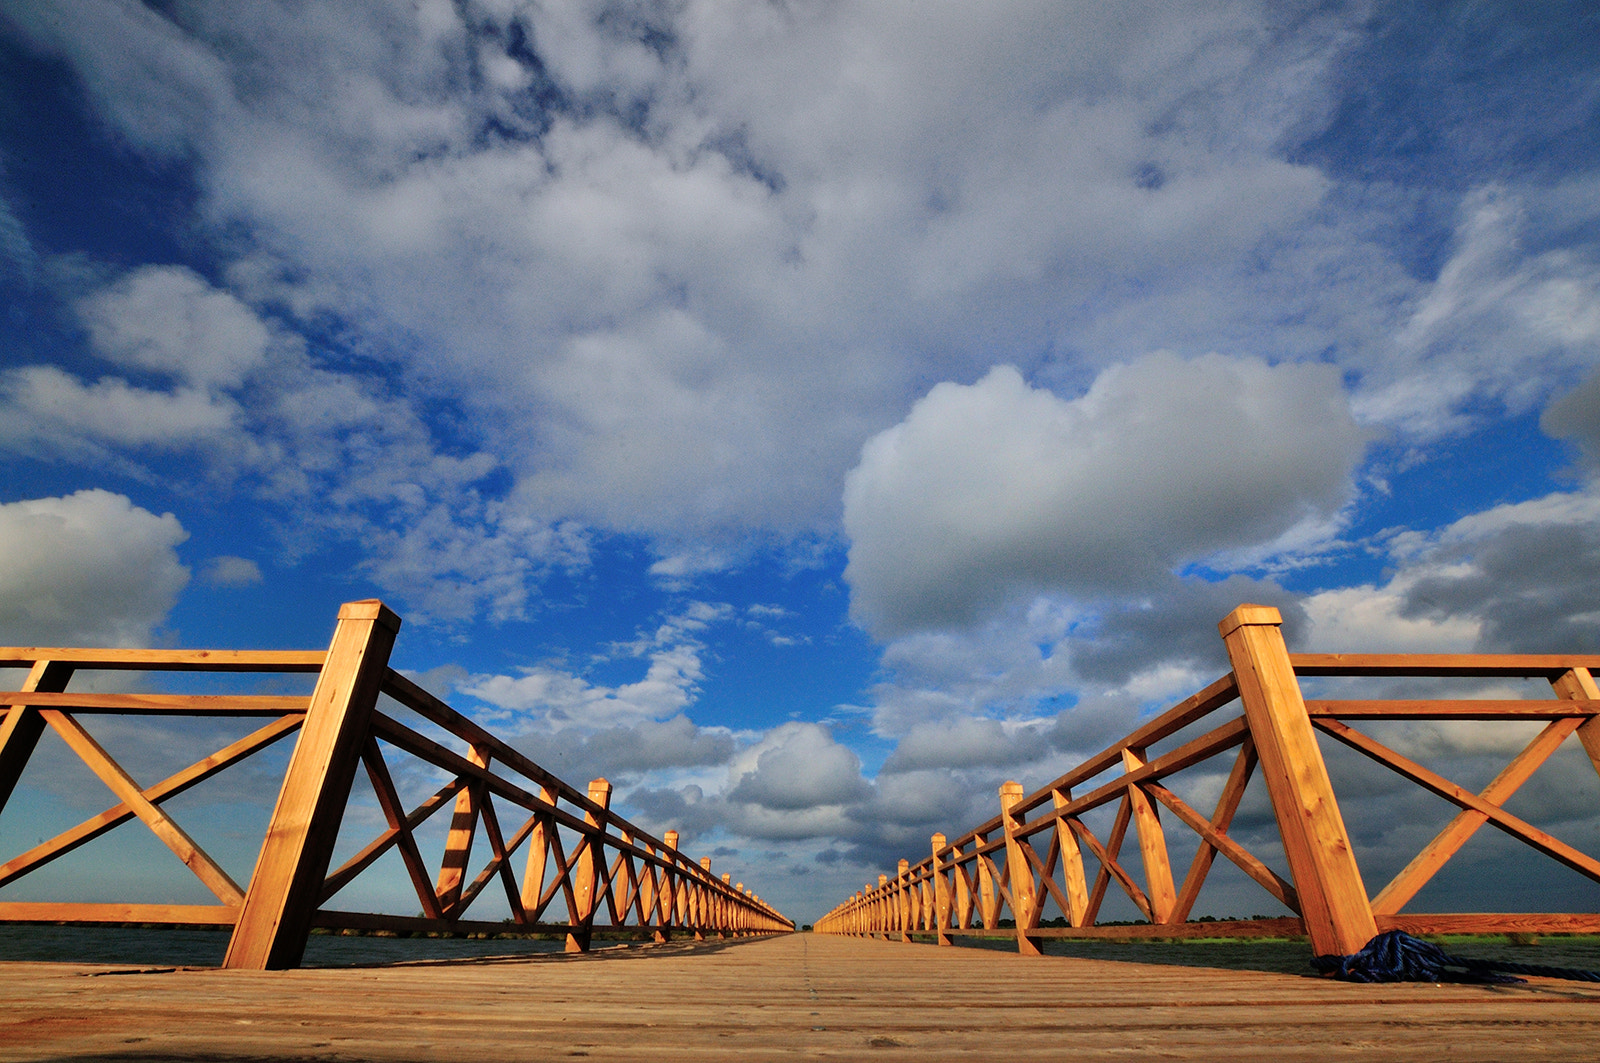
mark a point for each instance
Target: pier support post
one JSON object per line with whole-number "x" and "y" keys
{"x": 287, "y": 884}
{"x": 1333, "y": 900}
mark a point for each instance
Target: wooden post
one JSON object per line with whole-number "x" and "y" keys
{"x": 586, "y": 876}
{"x": 903, "y": 902}
{"x": 941, "y": 895}
{"x": 1333, "y": 900}
{"x": 699, "y": 907}
{"x": 724, "y": 906}
{"x": 667, "y": 903}
{"x": 1152, "y": 843}
{"x": 275, "y": 917}
{"x": 1019, "y": 874}
{"x": 544, "y": 829}
{"x": 963, "y": 897}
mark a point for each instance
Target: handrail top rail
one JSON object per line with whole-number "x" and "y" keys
{"x": 1443, "y": 665}
{"x": 158, "y": 660}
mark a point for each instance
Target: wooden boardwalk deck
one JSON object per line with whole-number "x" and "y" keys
{"x": 801, "y": 995}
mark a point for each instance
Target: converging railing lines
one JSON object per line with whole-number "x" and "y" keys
{"x": 964, "y": 886}
{"x": 607, "y": 874}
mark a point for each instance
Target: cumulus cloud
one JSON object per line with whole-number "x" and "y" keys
{"x": 621, "y": 754}
{"x": 88, "y": 569}
{"x": 996, "y": 488}
{"x": 168, "y": 320}
{"x": 43, "y": 407}
{"x": 228, "y": 571}
{"x": 556, "y": 697}
{"x": 797, "y": 766}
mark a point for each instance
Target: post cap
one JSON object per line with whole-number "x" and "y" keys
{"x": 1248, "y": 616}
{"x": 370, "y": 609}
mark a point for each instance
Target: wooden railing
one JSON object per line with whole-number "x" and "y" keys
{"x": 1034, "y": 851}
{"x": 608, "y": 874}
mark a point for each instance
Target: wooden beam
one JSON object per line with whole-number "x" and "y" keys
{"x": 120, "y": 813}
{"x": 1473, "y": 665}
{"x": 1333, "y": 899}
{"x": 289, "y": 874}
{"x": 1449, "y": 841}
{"x": 22, "y": 726}
{"x": 1469, "y": 709}
{"x": 162, "y": 704}
{"x": 132, "y": 794}
{"x": 166, "y": 660}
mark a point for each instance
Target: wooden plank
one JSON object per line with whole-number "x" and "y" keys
{"x": 1492, "y": 922}
{"x": 1475, "y": 665}
{"x": 289, "y": 874}
{"x": 1473, "y": 709}
{"x": 132, "y": 794}
{"x": 166, "y": 660}
{"x": 795, "y": 996}
{"x": 162, "y": 704}
{"x": 120, "y": 813}
{"x": 1322, "y": 863}
{"x": 76, "y": 912}
{"x": 1449, "y": 841}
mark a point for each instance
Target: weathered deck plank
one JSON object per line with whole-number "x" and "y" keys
{"x": 796, "y": 996}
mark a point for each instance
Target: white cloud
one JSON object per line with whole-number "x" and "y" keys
{"x": 169, "y": 320}
{"x": 1502, "y": 322}
{"x": 42, "y": 406}
{"x": 227, "y": 571}
{"x": 796, "y": 767}
{"x": 555, "y": 698}
{"x": 997, "y": 488}
{"x": 1370, "y": 619}
{"x": 89, "y": 569}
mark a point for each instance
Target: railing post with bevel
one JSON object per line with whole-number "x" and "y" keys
{"x": 1333, "y": 900}
{"x": 902, "y": 906}
{"x": 941, "y": 895}
{"x": 586, "y": 876}
{"x": 1019, "y": 874}
{"x": 286, "y": 888}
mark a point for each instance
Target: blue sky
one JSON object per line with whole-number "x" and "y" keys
{"x": 808, "y": 415}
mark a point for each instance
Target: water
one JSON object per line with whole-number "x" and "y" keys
{"x": 150, "y": 947}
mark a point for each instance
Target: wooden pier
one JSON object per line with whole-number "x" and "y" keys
{"x": 795, "y": 996}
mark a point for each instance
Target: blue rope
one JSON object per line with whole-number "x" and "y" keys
{"x": 1395, "y": 956}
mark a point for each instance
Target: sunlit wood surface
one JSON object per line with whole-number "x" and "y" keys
{"x": 802, "y": 995}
